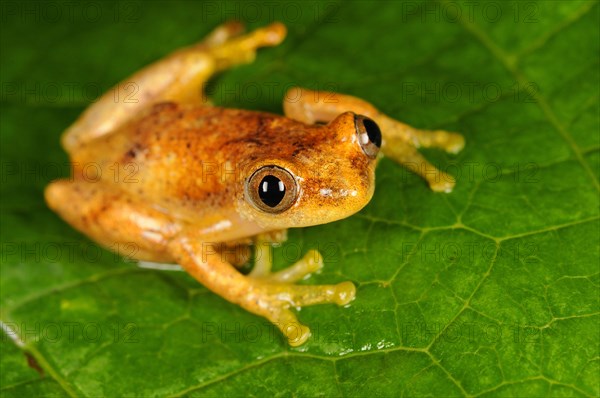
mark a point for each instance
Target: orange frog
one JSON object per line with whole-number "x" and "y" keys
{"x": 206, "y": 179}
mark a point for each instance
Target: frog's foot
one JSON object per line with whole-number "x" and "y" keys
{"x": 263, "y": 259}
{"x": 273, "y": 301}
{"x": 242, "y": 49}
{"x": 276, "y": 293}
{"x": 448, "y": 141}
{"x": 407, "y": 155}
{"x": 311, "y": 262}
{"x": 400, "y": 143}
{"x": 445, "y": 140}
{"x": 222, "y": 33}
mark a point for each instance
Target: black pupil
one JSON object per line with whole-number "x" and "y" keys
{"x": 373, "y": 132}
{"x": 271, "y": 191}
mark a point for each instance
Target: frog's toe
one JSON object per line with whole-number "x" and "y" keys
{"x": 274, "y": 300}
{"x": 272, "y": 35}
{"x": 223, "y": 33}
{"x": 242, "y": 49}
{"x": 340, "y": 294}
{"x": 441, "y": 182}
{"x": 310, "y": 263}
{"x": 455, "y": 143}
{"x": 345, "y": 293}
{"x": 295, "y": 332}
{"x": 298, "y": 335}
{"x": 267, "y": 36}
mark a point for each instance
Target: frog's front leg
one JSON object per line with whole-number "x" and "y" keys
{"x": 179, "y": 77}
{"x": 399, "y": 139}
{"x": 260, "y": 295}
{"x": 263, "y": 243}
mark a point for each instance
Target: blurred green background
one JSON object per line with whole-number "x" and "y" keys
{"x": 491, "y": 290}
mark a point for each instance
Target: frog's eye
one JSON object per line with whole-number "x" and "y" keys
{"x": 369, "y": 135}
{"x": 271, "y": 189}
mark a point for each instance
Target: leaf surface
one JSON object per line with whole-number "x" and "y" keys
{"x": 491, "y": 290}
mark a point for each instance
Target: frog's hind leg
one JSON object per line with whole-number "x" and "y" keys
{"x": 113, "y": 219}
{"x": 399, "y": 139}
{"x": 179, "y": 77}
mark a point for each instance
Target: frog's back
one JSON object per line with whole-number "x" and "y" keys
{"x": 186, "y": 156}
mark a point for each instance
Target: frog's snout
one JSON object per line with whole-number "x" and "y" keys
{"x": 368, "y": 134}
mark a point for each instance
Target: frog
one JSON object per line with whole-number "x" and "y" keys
{"x": 199, "y": 184}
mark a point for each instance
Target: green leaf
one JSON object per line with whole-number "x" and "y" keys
{"x": 491, "y": 290}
